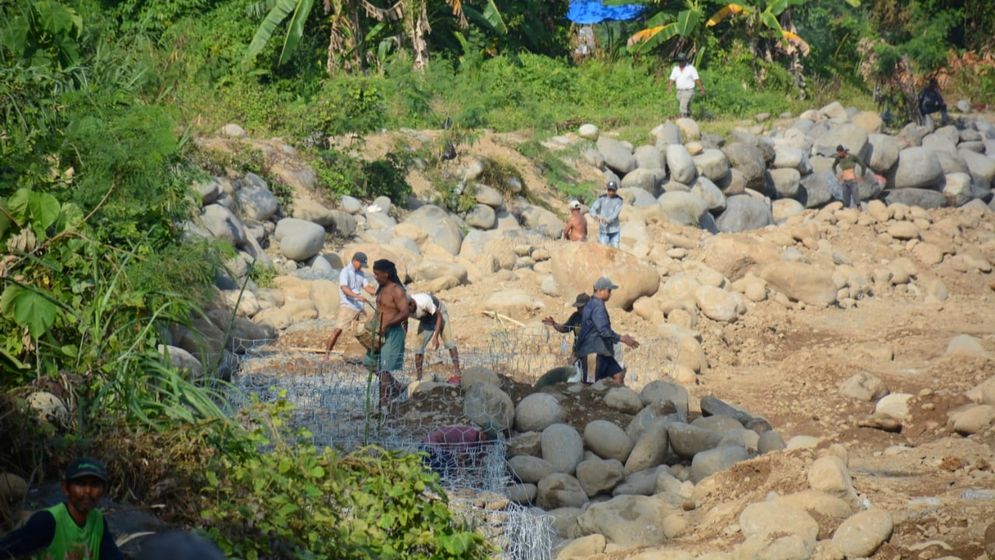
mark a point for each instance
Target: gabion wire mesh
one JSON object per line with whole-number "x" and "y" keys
{"x": 339, "y": 404}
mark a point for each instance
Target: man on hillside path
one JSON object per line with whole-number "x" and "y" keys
{"x": 74, "y": 529}
{"x": 845, "y": 164}
{"x": 596, "y": 341}
{"x": 606, "y": 209}
{"x": 685, "y": 77}
{"x": 351, "y": 311}
{"x": 390, "y": 317}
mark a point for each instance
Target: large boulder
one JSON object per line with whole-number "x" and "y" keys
{"x": 666, "y": 133}
{"x": 683, "y": 208}
{"x": 708, "y": 192}
{"x": 487, "y": 195}
{"x": 766, "y": 519}
{"x": 660, "y": 392}
{"x": 918, "y": 168}
{"x": 299, "y": 239}
{"x": 712, "y": 163}
{"x": 437, "y": 226}
{"x": 488, "y": 406}
{"x": 744, "y": 212}
{"x": 628, "y": 521}
{"x": 222, "y": 224}
{"x": 650, "y": 157}
{"x": 538, "y": 411}
{"x": 687, "y": 440}
{"x": 650, "y": 450}
{"x": 863, "y": 533}
{"x": 709, "y": 462}
{"x": 816, "y": 189}
{"x": 801, "y": 282}
{"x": 576, "y": 266}
{"x": 784, "y": 181}
{"x": 563, "y": 447}
{"x": 618, "y": 156}
{"x": 560, "y": 490}
{"x": 256, "y": 202}
{"x": 789, "y": 157}
{"x": 681, "y": 164}
{"x": 607, "y": 440}
{"x": 923, "y": 198}
{"x": 749, "y": 160}
{"x": 981, "y": 167}
{"x": 542, "y": 220}
{"x": 883, "y": 153}
{"x": 481, "y": 216}
{"x": 529, "y": 469}
{"x": 648, "y": 180}
{"x": 717, "y": 304}
{"x": 850, "y": 135}
{"x": 599, "y": 475}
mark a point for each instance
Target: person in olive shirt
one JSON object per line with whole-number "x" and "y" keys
{"x": 845, "y": 166}
{"x": 72, "y": 530}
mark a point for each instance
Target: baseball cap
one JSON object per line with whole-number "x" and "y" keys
{"x": 612, "y": 185}
{"x": 681, "y": 57}
{"x": 604, "y": 284}
{"x": 841, "y": 148}
{"x": 574, "y": 204}
{"x": 86, "y": 466}
{"x": 582, "y": 300}
{"x": 361, "y": 257}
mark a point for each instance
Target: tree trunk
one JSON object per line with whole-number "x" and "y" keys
{"x": 419, "y": 43}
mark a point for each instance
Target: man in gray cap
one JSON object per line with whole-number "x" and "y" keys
{"x": 352, "y": 314}
{"x": 597, "y": 341}
{"x": 74, "y": 528}
{"x": 685, "y": 77}
{"x": 606, "y": 209}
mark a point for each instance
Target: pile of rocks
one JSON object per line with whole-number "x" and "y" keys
{"x": 660, "y": 451}
{"x": 755, "y": 179}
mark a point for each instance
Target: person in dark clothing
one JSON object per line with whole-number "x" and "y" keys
{"x": 572, "y": 325}
{"x": 596, "y": 340}
{"x": 74, "y": 529}
{"x": 931, "y": 101}
{"x": 845, "y": 165}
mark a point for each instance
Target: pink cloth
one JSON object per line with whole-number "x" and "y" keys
{"x": 453, "y": 434}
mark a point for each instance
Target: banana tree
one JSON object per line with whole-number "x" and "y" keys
{"x": 686, "y": 27}
{"x": 762, "y": 18}
{"x": 345, "y": 24}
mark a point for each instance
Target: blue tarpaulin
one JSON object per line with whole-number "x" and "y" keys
{"x": 593, "y": 11}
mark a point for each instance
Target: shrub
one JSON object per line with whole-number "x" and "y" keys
{"x": 294, "y": 500}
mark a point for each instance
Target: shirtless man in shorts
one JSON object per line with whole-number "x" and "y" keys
{"x": 576, "y": 227}
{"x": 392, "y": 317}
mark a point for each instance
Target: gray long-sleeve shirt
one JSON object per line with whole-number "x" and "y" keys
{"x": 608, "y": 208}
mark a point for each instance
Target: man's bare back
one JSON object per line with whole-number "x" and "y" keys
{"x": 576, "y": 227}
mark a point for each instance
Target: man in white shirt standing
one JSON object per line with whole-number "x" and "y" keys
{"x": 351, "y": 282}
{"x": 685, "y": 77}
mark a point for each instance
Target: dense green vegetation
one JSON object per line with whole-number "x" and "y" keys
{"x": 100, "y": 100}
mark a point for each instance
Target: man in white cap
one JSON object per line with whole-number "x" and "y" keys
{"x": 596, "y": 340}
{"x": 352, "y": 282}
{"x": 576, "y": 227}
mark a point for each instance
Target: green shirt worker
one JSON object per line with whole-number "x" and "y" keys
{"x": 72, "y": 530}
